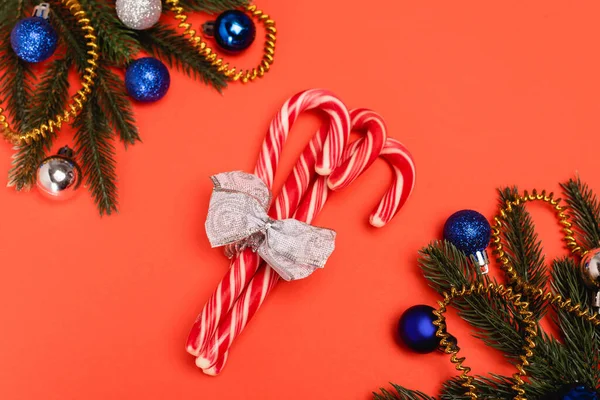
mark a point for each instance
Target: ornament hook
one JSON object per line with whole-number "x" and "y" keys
{"x": 42, "y": 10}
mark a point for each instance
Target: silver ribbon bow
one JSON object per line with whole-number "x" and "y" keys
{"x": 237, "y": 218}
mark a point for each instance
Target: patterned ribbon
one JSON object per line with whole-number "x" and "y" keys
{"x": 237, "y": 219}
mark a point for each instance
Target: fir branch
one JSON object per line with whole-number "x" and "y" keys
{"x": 72, "y": 37}
{"x": 213, "y": 6}
{"x": 585, "y": 212}
{"x": 494, "y": 387}
{"x": 11, "y": 11}
{"x": 165, "y": 43}
{"x": 445, "y": 267}
{"x": 555, "y": 364}
{"x": 94, "y": 147}
{"x": 523, "y": 248}
{"x": 16, "y": 80}
{"x": 401, "y": 393}
{"x": 50, "y": 97}
{"x": 115, "y": 102}
{"x": 580, "y": 336}
{"x": 117, "y": 44}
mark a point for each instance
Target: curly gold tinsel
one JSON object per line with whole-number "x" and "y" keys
{"x": 527, "y": 319}
{"x": 515, "y": 279}
{"x": 211, "y": 56}
{"x": 78, "y": 99}
{"x": 513, "y": 295}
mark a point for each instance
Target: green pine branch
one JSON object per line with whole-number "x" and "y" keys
{"x": 444, "y": 266}
{"x": 96, "y": 151}
{"x": 523, "y": 248}
{"x": 213, "y": 6}
{"x": 17, "y": 78}
{"x": 584, "y": 210}
{"x": 579, "y": 336}
{"x": 118, "y": 45}
{"x": 400, "y": 393}
{"x": 50, "y": 97}
{"x": 170, "y": 46}
{"x": 71, "y": 36}
{"x": 115, "y": 102}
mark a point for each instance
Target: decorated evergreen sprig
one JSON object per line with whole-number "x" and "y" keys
{"x": 571, "y": 358}
{"x": 32, "y": 100}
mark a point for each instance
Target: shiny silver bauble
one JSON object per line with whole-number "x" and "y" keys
{"x": 59, "y": 176}
{"x": 590, "y": 269}
{"x": 139, "y": 14}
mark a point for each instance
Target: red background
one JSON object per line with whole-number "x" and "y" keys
{"x": 484, "y": 94}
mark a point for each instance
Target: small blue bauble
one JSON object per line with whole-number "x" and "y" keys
{"x": 468, "y": 230}
{"x": 147, "y": 79}
{"x": 33, "y": 39}
{"x": 234, "y": 31}
{"x": 416, "y": 329}
{"x": 573, "y": 392}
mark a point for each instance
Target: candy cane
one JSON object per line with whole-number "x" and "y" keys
{"x": 358, "y": 158}
{"x": 328, "y": 143}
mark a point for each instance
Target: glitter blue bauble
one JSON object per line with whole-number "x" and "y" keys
{"x": 416, "y": 329}
{"x": 573, "y": 392}
{"x": 234, "y": 31}
{"x": 468, "y": 230}
{"x": 147, "y": 79}
{"x": 33, "y": 39}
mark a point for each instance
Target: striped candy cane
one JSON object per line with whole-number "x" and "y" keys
{"x": 322, "y": 154}
{"x": 358, "y": 157}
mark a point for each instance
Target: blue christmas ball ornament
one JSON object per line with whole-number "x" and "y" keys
{"x": 33, "y": 39}
{"x": 234, "y": 31}
{"x": 416, "y": 329}
{"x": 573, "y": 392}
{"x": 147, "y": 79}
{"x": 470, "y": 232}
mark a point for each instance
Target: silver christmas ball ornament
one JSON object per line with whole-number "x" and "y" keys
{"x": 139, "y": 14}
{"x": 590, "y": 269}
{"x": 59, "y": 176}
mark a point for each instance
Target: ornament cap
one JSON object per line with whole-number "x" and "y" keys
{"x": 596, "y": 300}
{"x": 452, "y": 341}
{"x": 481, "y": 260}
{"x": 65, "y": 151}
{"x": 42, "y": 10}
{"x": 209, "y": 28}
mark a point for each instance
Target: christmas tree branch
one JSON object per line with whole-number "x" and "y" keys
{"x": 95, "y": 149}
{"x": 48, "y": 101}
{"x": 118, "y": 44}
{"x": 175, "y": 50}
{"x": 114, "y": 101}
{"x": 580, "y": 336}
{"x": 585, "y": 213}
{"x": 17, "y": 78}
{"x": 401, "y": 393}
{"x": 445, "y": 267}
{"x": 72, "y": 37}
{"x": 213, "y": 6}
{"x": 523, "y": 248}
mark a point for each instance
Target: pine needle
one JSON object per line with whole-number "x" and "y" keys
{"x": 213, "y": 6}
{"x": 115, "y": 102}
{"x": 16, "y": 80}
{"x": 50, "y": 96}
{"x": 401, "y": 393}
{"x": 95, "y": 149}
{"x": 585, "y": 212}
{"x": 523, "y": 248}
{"x": 446, "y": 267}
{"x": 118, "y": 44}
{"x": 175, "y": 50}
